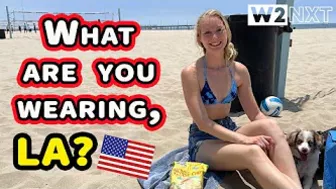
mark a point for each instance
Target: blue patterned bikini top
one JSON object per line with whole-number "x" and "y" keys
{"x": 209, "y": 98}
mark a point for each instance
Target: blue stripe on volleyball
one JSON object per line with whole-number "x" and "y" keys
{"x": 276, "y": 112}
{"x": 263, "y": 104}
{"x": 275, "y": 100}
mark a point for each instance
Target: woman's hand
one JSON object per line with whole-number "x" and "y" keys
{"x": 265, "y": 142}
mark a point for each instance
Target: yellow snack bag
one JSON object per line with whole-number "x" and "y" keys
{"x": 187, "y": 176}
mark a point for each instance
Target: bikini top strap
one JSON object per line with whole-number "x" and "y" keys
{"x": 232, "y": 76}
{"x": 231, "y": 72}
{"x": 205, "y": 69}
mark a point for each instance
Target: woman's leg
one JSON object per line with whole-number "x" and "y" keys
{"x": 223, "y": 156}
{"x": 281, "y": 154}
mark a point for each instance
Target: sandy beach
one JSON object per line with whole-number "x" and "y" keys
{"x": 310, "y": 100}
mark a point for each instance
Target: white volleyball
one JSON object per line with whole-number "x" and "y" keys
{"x": 271, "y": 106}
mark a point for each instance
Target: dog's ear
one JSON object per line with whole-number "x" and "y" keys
{"x": 319, "y": 139}
{"x": 292, "y": 136}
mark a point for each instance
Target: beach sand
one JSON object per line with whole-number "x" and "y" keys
{"x": 310, "y": 101}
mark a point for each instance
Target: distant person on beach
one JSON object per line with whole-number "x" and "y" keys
{"x": 24, "y": 27}
{"x": 34, "y": 26}
{"x": 209, "y": 85}
{"x": 20, "y": 29}
{"x": 28, "y": 28}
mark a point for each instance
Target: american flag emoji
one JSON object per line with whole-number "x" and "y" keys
{"x": 126, "y": 157}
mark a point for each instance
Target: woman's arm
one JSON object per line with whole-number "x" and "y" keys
{"x": 245, "y": 94}
{"x": 198, "y": 112}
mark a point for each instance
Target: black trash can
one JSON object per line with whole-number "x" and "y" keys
{"x": 257, "y": 47}
{"x": 2, "y": 34}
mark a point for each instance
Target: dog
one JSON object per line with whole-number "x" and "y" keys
{"x": 306, "y": 147}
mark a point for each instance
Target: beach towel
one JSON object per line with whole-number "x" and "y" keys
{"x": 159, "y": 177}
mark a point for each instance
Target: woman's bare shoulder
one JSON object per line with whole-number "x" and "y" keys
{"x": 190, "y": 70}
{"x": 239, "y": 67}
{"x": 241, "y": 72}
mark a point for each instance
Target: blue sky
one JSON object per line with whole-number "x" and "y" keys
{"x": 147, "y": 11}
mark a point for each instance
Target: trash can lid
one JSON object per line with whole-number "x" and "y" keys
{"x": 243, "y": 17}
{"x": 237, "y": 18}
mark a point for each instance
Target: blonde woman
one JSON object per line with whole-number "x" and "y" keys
{"x": 209, "y": 86}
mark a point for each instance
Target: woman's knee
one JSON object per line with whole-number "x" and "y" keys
{"x": 271, "y": 128}
{"x": 254, "y": 156}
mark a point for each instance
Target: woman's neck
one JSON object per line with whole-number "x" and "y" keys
{"x": 215, "y": 61}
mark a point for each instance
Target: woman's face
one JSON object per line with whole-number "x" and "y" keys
{"x": 212, "y": 34}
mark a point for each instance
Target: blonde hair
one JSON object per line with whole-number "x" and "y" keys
{"x": 230, "y": 53}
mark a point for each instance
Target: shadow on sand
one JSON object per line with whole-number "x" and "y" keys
{"x": 296, "y": 104}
